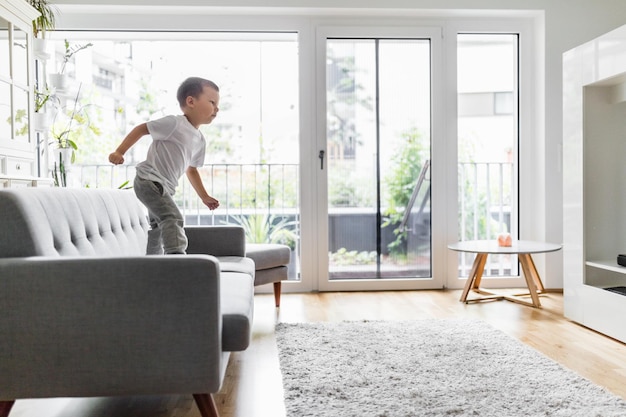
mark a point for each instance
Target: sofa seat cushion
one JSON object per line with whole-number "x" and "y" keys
{"x": 268, "y": 255}
{"x": 237, "y": 264}
{"x": 272, "y": 275}
{"x": 237, "y": 302}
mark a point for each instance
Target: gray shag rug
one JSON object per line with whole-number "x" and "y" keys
{"x": 438, "y": 367}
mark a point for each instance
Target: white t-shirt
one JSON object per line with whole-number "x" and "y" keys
{"x": 176, "y": 145}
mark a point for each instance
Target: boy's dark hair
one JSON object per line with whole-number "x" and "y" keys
{"x": 193, "y": 87}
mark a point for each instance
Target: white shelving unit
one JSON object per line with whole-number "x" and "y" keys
{"x": 607, "y": 265}
{"x": 594, "y": 180}
{"x": 18, "y": 143}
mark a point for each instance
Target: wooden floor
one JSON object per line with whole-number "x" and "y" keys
{"x": 253, "y": 387}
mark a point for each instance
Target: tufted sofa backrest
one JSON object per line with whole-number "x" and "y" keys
{"x": 71, "y": 222}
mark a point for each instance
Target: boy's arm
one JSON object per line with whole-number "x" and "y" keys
{"x": 196, "y": 182}
{"x": 117, "y": 157}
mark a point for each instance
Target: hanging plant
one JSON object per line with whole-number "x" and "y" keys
{"x": 61, "y": 138}
{"x": 71, "y": 50}
{"x": 46, "y": 19}
{"x": 60, "y": 80}
{"x": 43, "y": 97}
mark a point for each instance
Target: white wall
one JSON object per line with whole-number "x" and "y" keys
{"x": 567, "y": 23}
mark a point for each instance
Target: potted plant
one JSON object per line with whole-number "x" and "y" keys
{"x": 61, "y": 132}
{"x": 41, "y": 121}
{"x": 265, "y": 228}
{"x": 59, "y": 80}
{"x": 41, "y": 98}
{"x": 45, "y": 21}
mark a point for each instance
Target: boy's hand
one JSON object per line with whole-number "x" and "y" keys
{"x": 211, "y": 203}
{"x": 116, "y": 158}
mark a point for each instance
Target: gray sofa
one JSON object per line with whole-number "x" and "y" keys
{"x": 83, "y": 311}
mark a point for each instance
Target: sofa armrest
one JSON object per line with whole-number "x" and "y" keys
{"x": 83, "y": 326}
{"x": 216, "y": 240}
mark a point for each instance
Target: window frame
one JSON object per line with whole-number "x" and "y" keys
{"x": 531, "y": 126}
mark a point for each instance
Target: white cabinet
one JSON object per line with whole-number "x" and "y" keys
{"x": 18, "y": 155}
{"x": 594, "y": 182}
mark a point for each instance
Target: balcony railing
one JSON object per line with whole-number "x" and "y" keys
{"x": 485, "y": 199}
{"x": 244, "y": 190}
{"x": 240, "y": 188}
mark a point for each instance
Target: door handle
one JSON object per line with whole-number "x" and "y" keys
{"x": 321, "y": 157}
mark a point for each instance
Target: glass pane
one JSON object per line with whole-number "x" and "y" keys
{"x": 379, "y": 213}
{"x": 20, "y": 104}
{"x": 5, "y": 111}
{"x": 4, "y": 49}
{"x": 487, "y": 144}
{"x": 20, "y": 57}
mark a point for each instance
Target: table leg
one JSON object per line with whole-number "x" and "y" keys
{"x": 532, "y": 277}
{"x": 535, "y": 274}
{"x": 475, "y": 275}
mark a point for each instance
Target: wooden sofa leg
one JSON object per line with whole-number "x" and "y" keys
{"x": 277, "y": 286}
{"x": 5, "y": 408}
{"x": 206, "y": 405}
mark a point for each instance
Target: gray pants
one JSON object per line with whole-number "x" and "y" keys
{"x": 166, "y": 234}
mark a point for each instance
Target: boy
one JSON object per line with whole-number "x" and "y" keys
{"x": 177, "y": 146}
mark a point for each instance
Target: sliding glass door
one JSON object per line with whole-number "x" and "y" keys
{"x": 375, "y": 156}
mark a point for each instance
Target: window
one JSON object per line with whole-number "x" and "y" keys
{"x": 487, "y": 71}
{"x": 123, "y": 79}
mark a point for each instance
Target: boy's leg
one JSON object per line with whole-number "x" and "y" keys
{"x": 149, "y": 194}
{"x": 155, "y": 242}
{"x": 165, "y": 218}
{"x": 171, "y": 224}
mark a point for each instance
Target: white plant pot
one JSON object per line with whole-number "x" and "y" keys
{"x": 41, "y": 121}
{"x": 59, "y": 81}
{"x": 63, "y": 155}
{"x": 40, "y": 48}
